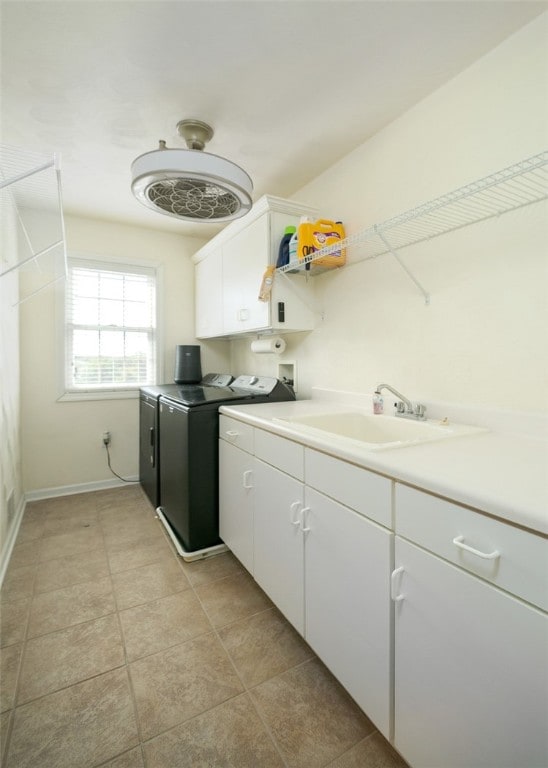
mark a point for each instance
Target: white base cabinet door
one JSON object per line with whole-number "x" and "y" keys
{"x": 347, "y": 598}
{"x": 279, "y": 540}
{"x": 236, "y": 502}
{"x": 471, "y": 685}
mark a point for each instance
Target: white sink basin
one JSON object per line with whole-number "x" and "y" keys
{"x": 376, "y": 432}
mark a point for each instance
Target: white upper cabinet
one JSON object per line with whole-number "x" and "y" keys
{"x": 208, "y": 277}
{"x": 229, "y": 272}
{"x": 245, "y": 258}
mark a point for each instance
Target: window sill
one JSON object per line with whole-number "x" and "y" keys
{"x": 111, "y": 394}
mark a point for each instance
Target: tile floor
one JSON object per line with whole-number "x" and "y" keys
{"x": 115, "y": 652}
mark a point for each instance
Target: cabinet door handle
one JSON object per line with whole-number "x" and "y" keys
{"x": 245, "y": 479}
{"x": 458, "y": 541}
{"x": 394, "y": 587}
{"x": 295, "y": 509}
{"x": 231, "y": 434}
{"x": 304, "y": 513}
{"x": 152, "y": 456}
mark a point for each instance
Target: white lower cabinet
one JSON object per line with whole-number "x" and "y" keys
{"x": 326, "y": 568}
{"x": 278, "y": 540}
{"x": 471, "y": 680}
{"x": 347, "y": 564}
{"x": 437, "y": 630}
{"x": 236, "y": 501}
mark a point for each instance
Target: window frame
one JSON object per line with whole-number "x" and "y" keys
{"x": 66, "y": 393}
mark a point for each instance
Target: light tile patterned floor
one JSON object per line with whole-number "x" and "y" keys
{"x": 115, "y": 652}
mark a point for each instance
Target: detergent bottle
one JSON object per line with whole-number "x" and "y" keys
{"x": 315, "y": 235}
{"x": 293, "y": 251}
{"x": 293, "y": 246}
{"x": 283, "y": 251}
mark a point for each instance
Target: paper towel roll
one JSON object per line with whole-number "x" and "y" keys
{"x": 274, "y": 345}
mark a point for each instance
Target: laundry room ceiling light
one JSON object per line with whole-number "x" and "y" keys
{"x": 190, "y": 184}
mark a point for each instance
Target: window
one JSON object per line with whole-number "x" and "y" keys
{"x": 110, "y": 327}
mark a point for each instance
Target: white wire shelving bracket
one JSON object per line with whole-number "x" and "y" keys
{"x": 30, "y": 183}
{"x": 514, "y": 187}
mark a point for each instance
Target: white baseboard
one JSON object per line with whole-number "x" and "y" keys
{"x": 69, "y": 490}
{"x": 9, "y": 544}
{"x": 49, "y": 493}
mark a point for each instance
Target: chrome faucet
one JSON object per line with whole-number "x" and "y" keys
{"x": 405, "y": 407}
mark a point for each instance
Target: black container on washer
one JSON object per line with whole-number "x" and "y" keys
{"x": 188, "y": 367}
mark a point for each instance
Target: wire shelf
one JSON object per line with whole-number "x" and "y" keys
{"x": 34, "y": 243}
{"x": 518, "y": 185}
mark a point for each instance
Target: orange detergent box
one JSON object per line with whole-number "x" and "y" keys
{"x": 315, "y": 235}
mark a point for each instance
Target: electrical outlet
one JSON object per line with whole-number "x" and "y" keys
{"x": 106, "y": 438}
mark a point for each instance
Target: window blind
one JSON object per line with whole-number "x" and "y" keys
{"x": 110, "y": 326}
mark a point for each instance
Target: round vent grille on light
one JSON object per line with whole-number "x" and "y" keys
{"x": 190, "y": 184}
{"x": 195, "y": 199}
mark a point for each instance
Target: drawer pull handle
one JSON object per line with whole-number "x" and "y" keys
{"x": 231, "y": 434}
{"x": 245, "y": 479}
{"x": 394, "y": 587}
{"x": 295, "y": 513}
{"x": 458, "y": 541}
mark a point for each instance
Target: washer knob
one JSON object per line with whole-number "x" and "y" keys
{"x": 253, "y": 379}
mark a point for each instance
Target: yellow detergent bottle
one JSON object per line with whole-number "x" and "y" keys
{"x": 315, "y": 235}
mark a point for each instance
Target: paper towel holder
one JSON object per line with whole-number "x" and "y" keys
{"x": 268, "y": 345}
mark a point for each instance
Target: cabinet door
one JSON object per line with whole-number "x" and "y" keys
{"x": 471, "y": 682}
{"x": 347, "y": 598}
{"x": 236, "y": 502}
{"x": 245, "y": 258}
{"x": 278, "y": 539}
{"x": 208, "y": 292}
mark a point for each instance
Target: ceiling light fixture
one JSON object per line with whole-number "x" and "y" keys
{"x": 190, "y": 184}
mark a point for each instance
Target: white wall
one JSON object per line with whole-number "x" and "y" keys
{"x": 61, "y": 441}
{"x": 11, "y": 490}
{"x": 483, "y": 339}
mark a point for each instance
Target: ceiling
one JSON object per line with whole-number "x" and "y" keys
{"x": 289, "y": 86}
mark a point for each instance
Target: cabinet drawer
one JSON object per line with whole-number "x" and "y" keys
{"x": 236, "y": 432}
{"x": 357, "y": 488}
{"x": 279, "y": 452}
{"x": 513, "y": 559}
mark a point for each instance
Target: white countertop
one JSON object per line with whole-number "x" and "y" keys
{"x": 505, "y": 475}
